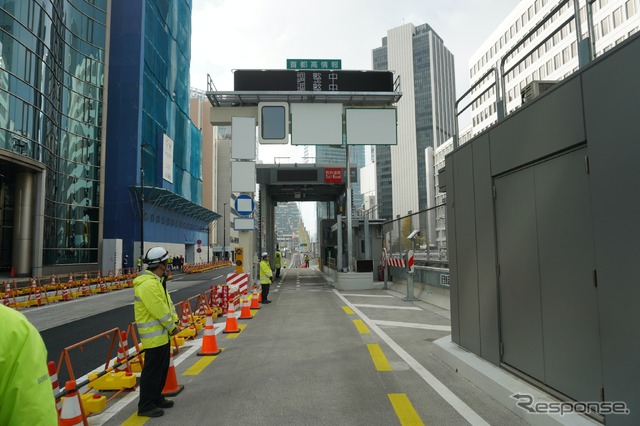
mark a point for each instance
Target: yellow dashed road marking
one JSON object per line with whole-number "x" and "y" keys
{"x": 235, "y": 335}
{"x": 348, "y": 310}
{"x": 361, "y": 326}
{"x": 135, "y": 420}
{"x": 200, "y": 365}
{"x": 404, "y": 410}
{"x": 379, "y": 360}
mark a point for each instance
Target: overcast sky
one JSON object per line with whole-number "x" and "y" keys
{"x": 263, "y": 34}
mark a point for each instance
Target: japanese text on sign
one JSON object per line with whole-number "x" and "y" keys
{"x": 333, "y": 175}
{"x": 314, "y": 64}
{"x": 319, "y": 81}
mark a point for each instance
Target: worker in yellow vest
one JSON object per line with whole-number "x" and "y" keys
{"x": 25, "y": 386}
{"x": 156, "y": 320}
{"x": 277, "y": 262}
{"x": 266, "y": 277}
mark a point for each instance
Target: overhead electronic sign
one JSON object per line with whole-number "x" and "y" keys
{"x": 313, "y": 81}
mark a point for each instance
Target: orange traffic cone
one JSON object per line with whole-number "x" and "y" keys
{"x": 12, "y": 273}
{"x": 255, "y": 303}
{"x": 209, "y": 344}
{"x": 71, "y": 412}
{"x": 7, "y": 295}
{"x": 53, "y": 374}
{"x": 184, "y": 320}
{"x": 171, "y": 386}
{"x": 245, "y": 312}
{"x": 231, "y": 325}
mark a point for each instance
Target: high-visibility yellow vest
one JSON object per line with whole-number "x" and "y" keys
{"x": 277, "y": 259}
{"x": 25, "y": 386}
{"x": 155, "y": 314}
{"x": 265, "y": 272}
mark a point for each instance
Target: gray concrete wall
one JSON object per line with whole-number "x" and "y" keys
{"x": 546, "y": 270}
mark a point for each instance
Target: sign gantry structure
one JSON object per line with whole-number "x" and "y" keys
{"x": 310, "y": 106}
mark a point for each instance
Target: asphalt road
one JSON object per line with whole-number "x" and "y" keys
{"x": 64, "y": 324}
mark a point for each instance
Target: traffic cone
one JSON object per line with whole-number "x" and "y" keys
{"x": 123, "y": 351}
{"x": 65, "y": 293}
{"x": 171, "y": 386}
{"x": 231, "y": 325}
{"x": 71, "y": 412}
{"x": 245, "y": 312}
{"x": 7, "y": 295}
{"x": 12, "y": 274}
{"x": 255, "y": 303}
{"x": 35, "y": 289}
{"x": 53, "y": 374}
{"x": 184, "y": 320}
{"x": 209, "y": 344}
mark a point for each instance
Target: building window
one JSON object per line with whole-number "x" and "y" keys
{"x": 604, "y": 25}
{"x": 617, "y": 17}
{"x": 630, "y": 6}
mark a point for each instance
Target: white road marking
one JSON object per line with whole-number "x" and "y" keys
{"x": 406, "y": 308}
{"x": 453, "y": 400}
{"x": 413, "y": 325}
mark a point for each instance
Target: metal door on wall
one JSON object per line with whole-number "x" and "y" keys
{"x": 548, "y": 300}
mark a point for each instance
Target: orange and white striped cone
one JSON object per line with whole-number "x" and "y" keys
{"x": 65, "y": 293}
{"x": 53, "y": 374}
{"x": 231, "y": 326}
{"x": 184, "y": 319}
{"x": 123, "y": 351}
{"x": 35, "y": 289}
{"x": 171, "y": 386}
{"x": 7, "y": 295}
{"x": 245, "y": 312}
{"x": 71, "y": 412}
{"x": 255, "y": 303}
{"x": 209, "y": 344}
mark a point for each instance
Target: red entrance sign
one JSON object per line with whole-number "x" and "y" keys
{"x": 333, "y": 175}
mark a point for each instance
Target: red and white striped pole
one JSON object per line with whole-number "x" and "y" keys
{"x": 410, "y": 259}
{"x": 53, "y": 374}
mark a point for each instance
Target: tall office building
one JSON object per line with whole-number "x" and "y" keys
{"x": 425, "y": 115}
{"x": 53, "y": 62}
{"x": 613, "y": 22}
{"x": 150, "y": 130}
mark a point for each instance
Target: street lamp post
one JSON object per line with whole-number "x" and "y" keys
{"x": 224, "y": 231}
{"x": 142, "y": 201}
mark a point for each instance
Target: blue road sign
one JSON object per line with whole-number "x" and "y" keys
{"x": 244, "y": 205}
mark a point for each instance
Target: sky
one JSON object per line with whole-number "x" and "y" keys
{"x": 263, "y": 34}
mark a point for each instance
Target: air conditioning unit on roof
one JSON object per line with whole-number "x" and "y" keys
{"x": 535, "y": 89}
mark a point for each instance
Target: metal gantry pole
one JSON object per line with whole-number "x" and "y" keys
{"x": 349, "y": 218}
{"x": 141, "y": 202}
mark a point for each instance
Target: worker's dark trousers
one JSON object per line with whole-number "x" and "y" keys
{"x": 153, "y": 377}
{"x": 265, "y": 291}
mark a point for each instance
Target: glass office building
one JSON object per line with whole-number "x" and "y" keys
{"x": 52, "y": 87}
{"x": 150, "y": 129}
{"x": 425, "y": 115}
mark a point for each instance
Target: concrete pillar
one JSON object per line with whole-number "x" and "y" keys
{"x": 23, "y": 223}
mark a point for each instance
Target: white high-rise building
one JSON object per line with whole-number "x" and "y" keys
{"x": 425, "y": 115}
{"x": 613, "y": 22}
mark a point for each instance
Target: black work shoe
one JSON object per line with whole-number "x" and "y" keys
{"x": 165, "y": 403}
{"x": 266, "y": 301}
{"x": 155, "y": 412}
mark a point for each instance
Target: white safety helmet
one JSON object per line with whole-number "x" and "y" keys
{"x": 265, "y": 254}
{"x": 155, "y": 256}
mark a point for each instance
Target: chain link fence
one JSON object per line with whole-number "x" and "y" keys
{"x": 429, "y": 245}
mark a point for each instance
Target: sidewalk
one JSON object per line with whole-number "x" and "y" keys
{"x": 316, "y": 356}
